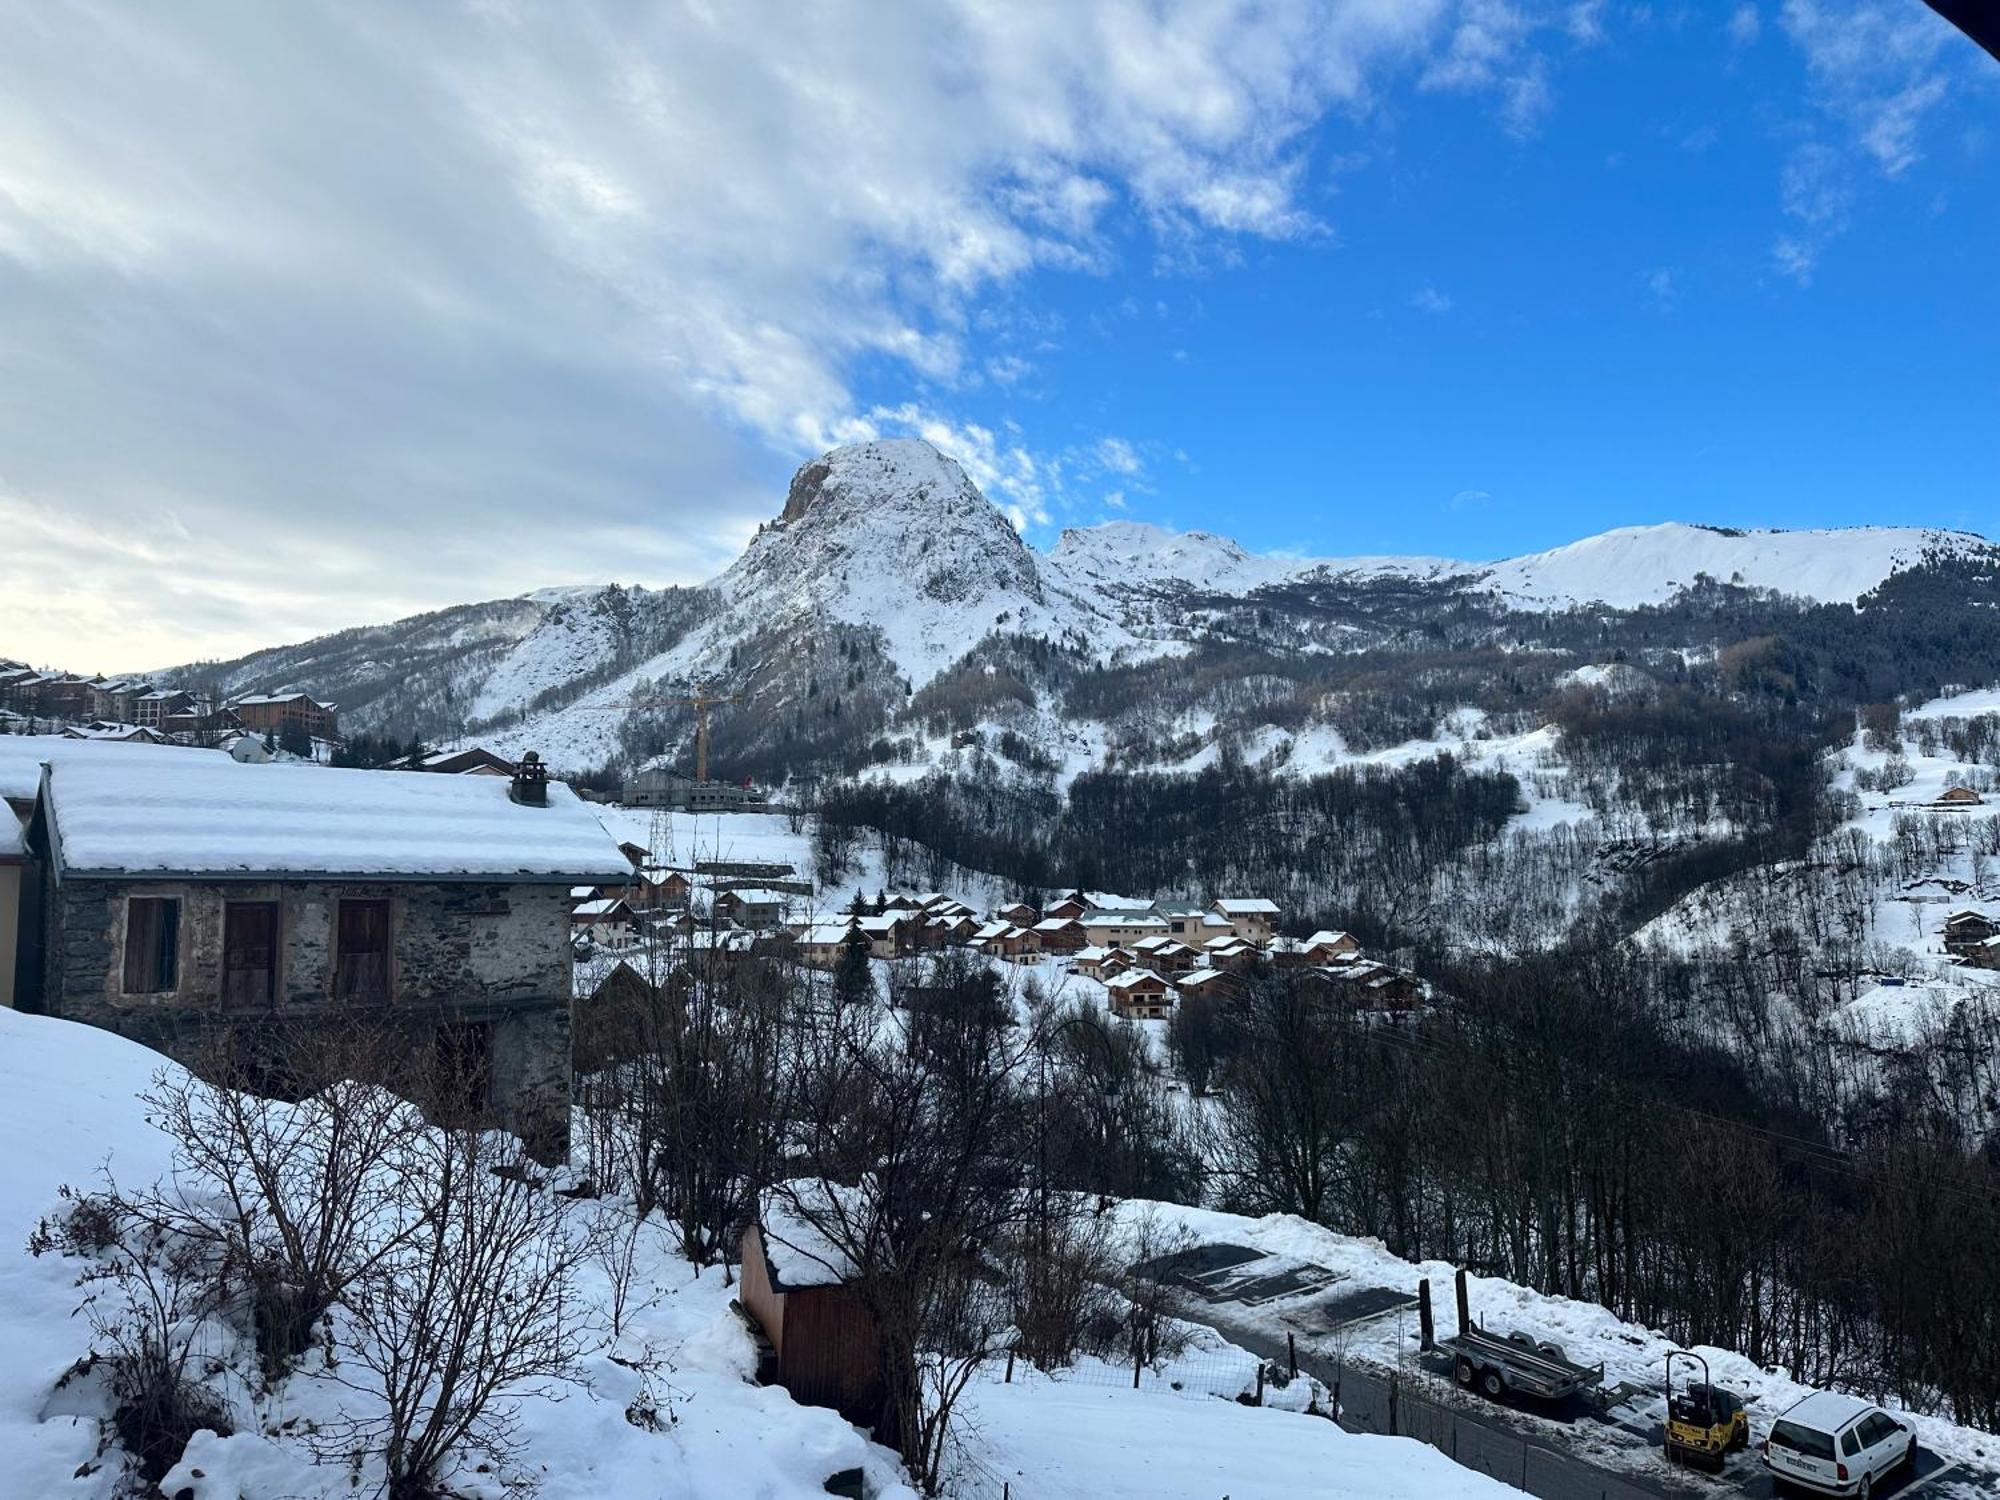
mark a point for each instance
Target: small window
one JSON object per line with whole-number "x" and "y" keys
{"x": 1850, "y": 1441}
{"x": 361, "y": 952}
{"x": 1876, "y": 1427}
{"x": 152, "y": 945}
{"x": 249, "y": 952}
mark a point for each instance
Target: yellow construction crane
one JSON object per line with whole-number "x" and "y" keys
{"x": 701, "y": 702}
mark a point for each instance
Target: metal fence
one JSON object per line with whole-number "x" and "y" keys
{"x": 1389, "y": 1404}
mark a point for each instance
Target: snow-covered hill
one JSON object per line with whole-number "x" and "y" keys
{"x": 1639, "y": 565}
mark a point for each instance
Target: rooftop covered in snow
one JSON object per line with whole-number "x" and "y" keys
{"x": 210, "y": 817}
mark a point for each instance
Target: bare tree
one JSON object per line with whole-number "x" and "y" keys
{"x": 287, "y": 1193}
{"x": 472, "y": 1307}
{"x": 913, "y": 1156}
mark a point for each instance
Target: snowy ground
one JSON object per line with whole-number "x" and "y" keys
{"x": 74, "y": 1091}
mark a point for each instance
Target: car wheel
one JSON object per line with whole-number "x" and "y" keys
{"x": 1908, "y": 1462}
{"x": 1493, "y": 1385}
{"x": 1867, "y": 1487}
{"x": 1462, "y": 1373}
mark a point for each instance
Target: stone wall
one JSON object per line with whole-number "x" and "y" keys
{"x": 497, "y": 955}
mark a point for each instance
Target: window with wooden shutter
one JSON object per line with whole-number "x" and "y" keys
{"x": 152, "y": 945}
{"x": 249, "y": 952}
{"x": 361, "y": 951}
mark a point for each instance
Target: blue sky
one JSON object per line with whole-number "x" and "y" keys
{"x": 1505, "y": 340}
{"x": 320, "y": 314}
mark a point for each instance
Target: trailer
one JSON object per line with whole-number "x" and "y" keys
{"x": 1496, "y": 1363}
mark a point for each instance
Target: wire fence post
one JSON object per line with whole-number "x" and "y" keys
{"x": 1009, "y": 1380}
{"x": 1138, "y": 1360}
{"x": 1260, "y": 1382}
{"x": 1393, "y": 1382}
{"x": 1292, "y": 1349}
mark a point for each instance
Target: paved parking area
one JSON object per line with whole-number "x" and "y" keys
{"x": 1575, "y": 1451}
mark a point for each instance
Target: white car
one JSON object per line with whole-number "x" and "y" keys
{"x": 1837, "y": 1445}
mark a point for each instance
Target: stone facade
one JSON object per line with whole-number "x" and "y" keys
{"x": 494, "y": 956}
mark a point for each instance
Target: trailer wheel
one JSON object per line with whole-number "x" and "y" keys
{"x": 1462, "y": 1372}
{"x": 1493, "y": 1385}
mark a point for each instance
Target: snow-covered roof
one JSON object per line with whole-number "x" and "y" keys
{"x": 1054, "y": 924}
{"x": 603, "y": 908}
{"x": 1133, "y": 977}
{"x": 798, "y": 1254}
{"x": 22, "y": 756}
{"x": 13, "y": 844}
{"x": 1326, "y": 937}
{"x": 207, "y": 815}
{"x": 757, "y": 895}
{"x": 1247, "y": 906}
{"x": 883, "y": 924}
{"x": 824, "y": 934}
{"x": 1121, "y": 919}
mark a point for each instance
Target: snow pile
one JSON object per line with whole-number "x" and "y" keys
{"x": 1060, "y": 1438}
{"x": 210, "y": 815}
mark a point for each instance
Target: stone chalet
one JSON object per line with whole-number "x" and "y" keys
{"x": 175, "y": 897}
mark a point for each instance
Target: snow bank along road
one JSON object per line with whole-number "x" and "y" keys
{"x": 1278, "y": 1308}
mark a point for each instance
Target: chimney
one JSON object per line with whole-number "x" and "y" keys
{"x": 530, "y": 786}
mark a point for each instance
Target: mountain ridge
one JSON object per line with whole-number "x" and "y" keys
{"x": 886, "y": 571}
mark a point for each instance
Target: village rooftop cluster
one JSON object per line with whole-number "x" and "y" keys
{"x": 1147, "y": 955}
{"x": 121, "y": 708}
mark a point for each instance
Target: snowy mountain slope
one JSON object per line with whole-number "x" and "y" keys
{"x": 1639, "y": 565}
{"x": 1136, "y": 554}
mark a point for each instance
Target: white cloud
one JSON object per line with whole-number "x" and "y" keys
{"x": 1796, "y": 258}
{"x": 1879, "y": 71}
{"x": 1663, "y": 287}
{"x": 368, "y": 286}
{"x": 435, "y": 303}
{"x": 1878, "y": 66}
{"x": 1584, "y": 21}
{"x": 1117, "y": 456}
{"x": 1467, "y": 499}
{"x": 1490, "y": 50}
{"x": 1745, "y": 25}
{"x": 1429, "y": 299}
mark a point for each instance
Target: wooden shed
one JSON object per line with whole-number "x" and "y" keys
{"x": 794, "y": 1286}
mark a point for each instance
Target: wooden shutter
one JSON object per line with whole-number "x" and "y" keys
{"x": 362, "y": 951}
{"x": 152, "y": 945}
{"x": 249, "y": 952}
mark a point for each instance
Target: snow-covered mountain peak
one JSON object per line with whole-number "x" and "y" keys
{"x": 892, "y": 534}
{"x": 863, "y": 476}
